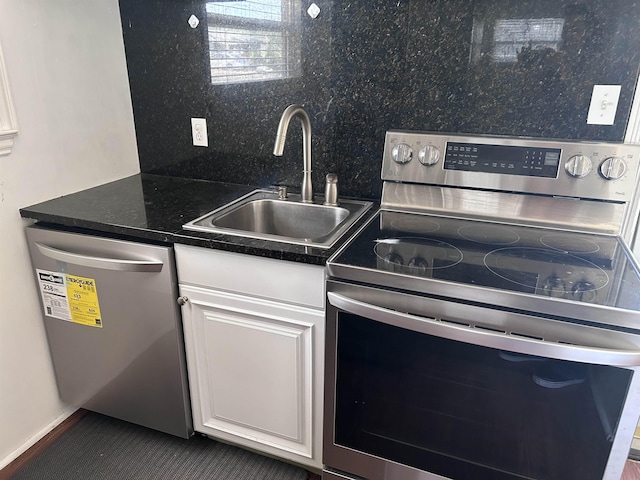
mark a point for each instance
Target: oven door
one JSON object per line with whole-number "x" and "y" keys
{"x": 422, "y": 388}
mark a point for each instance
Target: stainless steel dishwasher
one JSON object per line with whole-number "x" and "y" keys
{"x": 113, "y": 327}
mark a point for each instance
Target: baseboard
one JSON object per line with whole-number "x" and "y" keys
{"x": 28, "y": 450}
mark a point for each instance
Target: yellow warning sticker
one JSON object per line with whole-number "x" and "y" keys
{"x": 70, "y": 297}
{"x": 83, "y": 301}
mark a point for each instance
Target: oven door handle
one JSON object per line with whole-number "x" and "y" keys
{"x": 486, "y": 338}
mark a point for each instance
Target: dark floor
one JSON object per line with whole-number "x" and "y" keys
{"x": 90, "y": 446}
{"x": 40, "y": 461}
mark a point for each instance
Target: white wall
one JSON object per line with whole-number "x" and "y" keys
{"x": 67, "y": 73}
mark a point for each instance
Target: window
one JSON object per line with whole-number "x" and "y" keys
{"x": 253, "y": 40}
{"x": 8, "y": 123}
{"x": 510, "y": 36}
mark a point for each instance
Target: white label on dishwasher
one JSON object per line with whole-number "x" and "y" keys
{"x": 69, "y": 297}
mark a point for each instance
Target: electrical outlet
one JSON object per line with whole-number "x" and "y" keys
{"x": 604, "y": 103}
{"x": 199, "y": 132}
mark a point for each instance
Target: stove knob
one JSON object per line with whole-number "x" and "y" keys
{"x": 394, "y": 262}
{"x": 578, "y": 166}
{"x": 402, "y": 153}
{"x": 419, "y": 264}
{"x": 613, "y": 168}
{"x": 429, "y": 155}
{"x": 554, "y": 287}
{"x": 584, "y": 291}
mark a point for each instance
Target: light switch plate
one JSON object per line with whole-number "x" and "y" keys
{"x": 604, "y": 103}
{"x": 199, "y": 132}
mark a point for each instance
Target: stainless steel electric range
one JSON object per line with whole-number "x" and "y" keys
{"x": 485, "y": 323}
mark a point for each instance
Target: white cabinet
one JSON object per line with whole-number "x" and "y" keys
{"x": 254, "y": 333}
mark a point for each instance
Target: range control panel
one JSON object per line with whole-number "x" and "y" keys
{"x": 603, "y": 171}
{"x": 512, "y": 160}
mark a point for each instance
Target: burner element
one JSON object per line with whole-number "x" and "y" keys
{"x": 488, "y": 234}
{"x": 425, "y": 253}
{"x": 413, "y": 224}
{"x": 570, "y": 276}
{"x": 569, "y": 244}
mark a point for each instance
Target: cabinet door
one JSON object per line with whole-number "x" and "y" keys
{"x": 252, "y": 374}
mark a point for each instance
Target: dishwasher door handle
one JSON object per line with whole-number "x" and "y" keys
{"x": 105, "y": 263}
{"x": 500, "y": 341}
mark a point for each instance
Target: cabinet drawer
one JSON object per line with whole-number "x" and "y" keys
{"x": 278, "y": 280}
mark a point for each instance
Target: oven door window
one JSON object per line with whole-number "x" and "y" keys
{"x": 464, "y": 411}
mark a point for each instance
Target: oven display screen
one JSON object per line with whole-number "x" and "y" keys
{"x": 513, "y": 160}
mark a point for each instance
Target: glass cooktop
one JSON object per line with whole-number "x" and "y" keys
{"x": 524, "y": 267}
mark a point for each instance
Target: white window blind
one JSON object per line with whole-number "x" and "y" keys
{"x": 510, "y": 36}
{"x": 253, "y": 40}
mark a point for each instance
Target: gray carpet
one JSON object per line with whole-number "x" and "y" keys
{"x": 102, "y": 448}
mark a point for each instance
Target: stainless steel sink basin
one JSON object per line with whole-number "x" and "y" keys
{"x": 261, "y": 214}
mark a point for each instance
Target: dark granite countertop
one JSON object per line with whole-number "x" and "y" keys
{"x": 154, "y": 208}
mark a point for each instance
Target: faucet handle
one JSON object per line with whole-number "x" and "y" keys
{"x": 331, "y": 190}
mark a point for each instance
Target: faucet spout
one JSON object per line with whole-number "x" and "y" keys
{"x": 281, "y": 137}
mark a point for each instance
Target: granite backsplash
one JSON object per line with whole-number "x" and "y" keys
{"x": 361, "y": 67}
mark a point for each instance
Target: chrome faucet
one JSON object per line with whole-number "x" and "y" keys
{"x": 281, "y": 136}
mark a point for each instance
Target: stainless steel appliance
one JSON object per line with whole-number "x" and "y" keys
{"x": 485, "y": 323}
{"x": 113, "y": 327}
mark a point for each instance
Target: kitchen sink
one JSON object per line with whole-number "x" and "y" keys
{"x": 262, "y": 214}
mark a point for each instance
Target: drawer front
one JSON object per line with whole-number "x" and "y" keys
{"x": 277, "y": 280}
